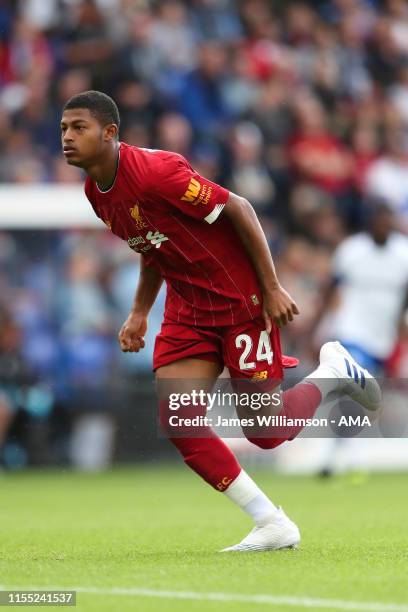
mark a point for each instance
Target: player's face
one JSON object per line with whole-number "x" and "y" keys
{"x": 83, "y": 138}
{"x": 382, "y": 224}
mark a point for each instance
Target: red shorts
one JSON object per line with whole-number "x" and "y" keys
{"x": 245, "y": 349}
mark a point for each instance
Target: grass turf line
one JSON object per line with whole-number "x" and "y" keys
{"x": 162, "y": 529}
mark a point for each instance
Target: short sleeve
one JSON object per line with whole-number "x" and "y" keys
{"x": 177, "y": 185}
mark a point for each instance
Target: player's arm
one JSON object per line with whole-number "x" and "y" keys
{"x": 278, "y": 306}
{"x": 330, "y": 292}
{"x": 131, "y": 335}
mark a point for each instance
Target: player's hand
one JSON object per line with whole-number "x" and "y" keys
{"x": 131, "y": 335}
{"x": 278, "y": 307}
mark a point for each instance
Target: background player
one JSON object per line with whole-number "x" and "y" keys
{"x": 369, "y": 291}
{"x": 224, "y": 302}
{"x": 370, "y": 300}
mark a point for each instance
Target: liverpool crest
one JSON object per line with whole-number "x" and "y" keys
{"x": 135, "y": 214}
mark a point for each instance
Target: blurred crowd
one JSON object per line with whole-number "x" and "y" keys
{"x": 265, "y": 97}
{"x": 301, "y": 107}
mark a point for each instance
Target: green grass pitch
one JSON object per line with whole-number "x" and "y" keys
{"x": 161, "y": 529}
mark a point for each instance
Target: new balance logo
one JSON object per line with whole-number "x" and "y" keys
{"x": 192, "y": 191}
{"x": 356, "y": 373}
{"x": 156, "y": 239}
{"x": 260, "y": 375}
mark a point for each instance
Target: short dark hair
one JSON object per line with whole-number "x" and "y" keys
{"x": 99, "y": 104}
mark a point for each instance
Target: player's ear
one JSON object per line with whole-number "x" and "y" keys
{"x": 110, "y": 131}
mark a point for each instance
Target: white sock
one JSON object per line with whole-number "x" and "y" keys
{"x": 324, "y": 379}
{"x": 247, "y": 495}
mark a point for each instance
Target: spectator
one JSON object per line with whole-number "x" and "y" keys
{"x": 313, "y": 215}
{"x": 174, "y": 134}
{"x": 250, "y": 176}
{"x": 317, "y": 157}
{"x": 138, "y": 57}
{"x": 87, "y": 41}
{"x": 201, "y": 97}
{"x": 173, "y": 36}
{"x": 366, "y": 147}
{"x": 216, "y": 20}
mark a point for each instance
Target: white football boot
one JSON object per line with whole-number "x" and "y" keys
{"x": 354, "y": 380}
{"x": 278, "y": 532}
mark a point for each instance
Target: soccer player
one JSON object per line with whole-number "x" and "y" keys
{"x": 224, "y": 303}
{"x": 370, "y": 300}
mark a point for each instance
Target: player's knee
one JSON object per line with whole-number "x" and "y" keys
{"x": 267, "y": 443}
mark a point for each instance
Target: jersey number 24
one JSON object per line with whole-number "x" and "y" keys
{"x": 263, "y": 353}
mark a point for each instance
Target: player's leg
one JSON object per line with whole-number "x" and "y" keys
{"x": 188, "y": 359}
{"x": 205, "y": 453}
{"x": 249, "y": 357}
{"x": 202, "y": 450}
{"x": 254, "y": 360}
{"x": 337, "y": 371}
{"x": 299, "y": 402}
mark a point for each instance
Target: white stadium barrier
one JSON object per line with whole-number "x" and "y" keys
{"x": 45, "y": 207}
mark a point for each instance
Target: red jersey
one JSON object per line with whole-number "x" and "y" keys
{"x": 171, "y": 215}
